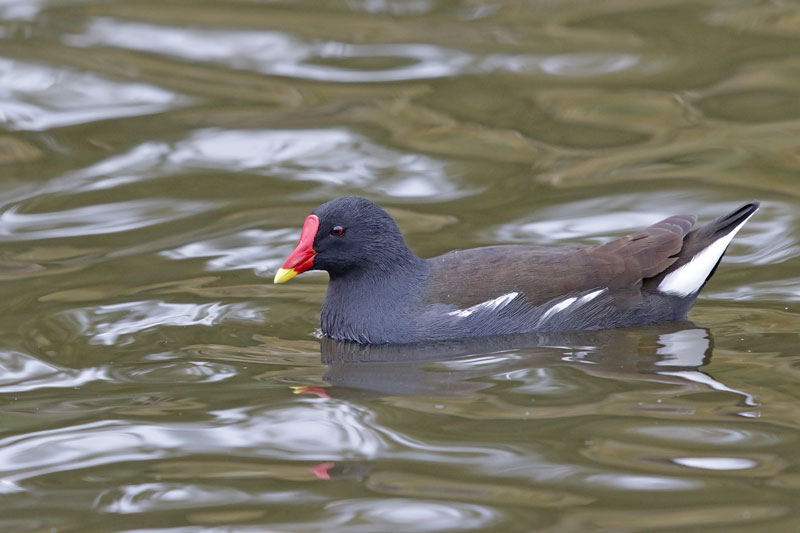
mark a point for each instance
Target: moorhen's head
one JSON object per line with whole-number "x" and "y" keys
{"x": 346, "y": 235}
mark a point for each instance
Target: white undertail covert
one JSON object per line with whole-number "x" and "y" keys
{"x": 689, "y": 278}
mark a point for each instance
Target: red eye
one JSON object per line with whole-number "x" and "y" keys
{"x": 337, "y": 231}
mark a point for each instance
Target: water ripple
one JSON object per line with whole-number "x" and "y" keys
{"x": 20, "y": 9}
{"x": 310, "y": 431}
{"x": 118, "y": 324}
{"x": 174, "y": 372}
{"x": 40, "y": 97}
{"x": 274, "y": 52}
{"x": 333, "y": 157}
{"x": 95, "y": 219}
{"x": 21, "y": 372}
{"x": 278, "y": 53}
{"x": 370, "y": 515}
{"x": 572, "y": 65}
{"x": 424, "y": 486}
{"x": 259, "y": 250}
{"x": 711, "y": 437}
{"x": 717, "y": 463}
{"x": 330, "y": 156}
{"x": 147, "y": 380}
{"x": 599, "y": 219}
{"x": 147, "y": 497}
{"x": 594, "y": 220}
{"x": 38, "y": 452}
{"x": 781, "y": 290}
{"x": 638, "y": 482}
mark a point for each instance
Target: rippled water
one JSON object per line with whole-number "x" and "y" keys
{"x": 157, "y": 159}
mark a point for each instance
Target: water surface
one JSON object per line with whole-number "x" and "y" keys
{"x": 158, "y": 159}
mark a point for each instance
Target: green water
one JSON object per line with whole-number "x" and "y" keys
{"x": 157, "y": 159}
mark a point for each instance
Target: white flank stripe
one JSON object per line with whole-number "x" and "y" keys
{"x": 586, "y": 298}
{"x": 574, "y": 301}
{"x": 691, "y": 276}
{"x": 488, "y": 305}
{"x": 560, "y": 306}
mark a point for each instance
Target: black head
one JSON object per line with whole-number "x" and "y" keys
{"x": 351, "y": 234}
{"x": 355, "y": 233}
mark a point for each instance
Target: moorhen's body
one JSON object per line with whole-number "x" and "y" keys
{"x": 380, "y": 292}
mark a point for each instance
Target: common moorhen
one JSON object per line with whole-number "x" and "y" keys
{"x": 381, "y": 292}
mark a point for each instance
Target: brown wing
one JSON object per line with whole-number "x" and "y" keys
{"x": 642, "y": 254}
{"x": 468, "y": 277}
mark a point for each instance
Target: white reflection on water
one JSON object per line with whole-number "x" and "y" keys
{"x": 278, "y": 53}
{"x": 147, "y": 497}
{"x": 39, "y": 452}
{"x": 587, "y": 64}
{"x": 705, "y": 379}
{"x": 683, "y": 348}
{"x": 272, "y": 52}
{"x": 94, "y": 219}
{"x": 784, "y": 290}
{"x": 305, "y": 431}
{"x": 644, "y": 483}
{"x": 22, "y": 372}
{"x": 770, "y": 234}
{"x": 591, "y": 220}
{"x": 368, "y": 515}
{"x": 108, "y": 173}
{"x": 711, "y": 436}
{"x": 717, "y": 463}
{"x": 237, "y": 49}
{"x": 573, "y": 64}
{"x": 688, "y": 348}
{"x": 117, "y": 170}
{"x": 429, "y": 61}
{"x": 592, "y": 227}
{"x": 117, "y": 324}
{"x": 39, "y": 97}
{"x": 173, "y": 372}
{"x": 355, "y": 515}
{"x": 598, "y": 220}
{"x": 259, "y": 250}
{"x": 332, "y": 156}
{"x": 393, "y": 7}
{"x": 19, "y": 9}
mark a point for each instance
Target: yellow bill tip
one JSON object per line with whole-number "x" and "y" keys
{"x": 284, "y": 274}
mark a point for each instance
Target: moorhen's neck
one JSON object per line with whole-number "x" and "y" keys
{"x": 374, "y": 301}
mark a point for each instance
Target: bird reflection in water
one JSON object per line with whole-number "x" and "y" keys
{"x": 668, "y": 353}
{"x": 472, "y": 370}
